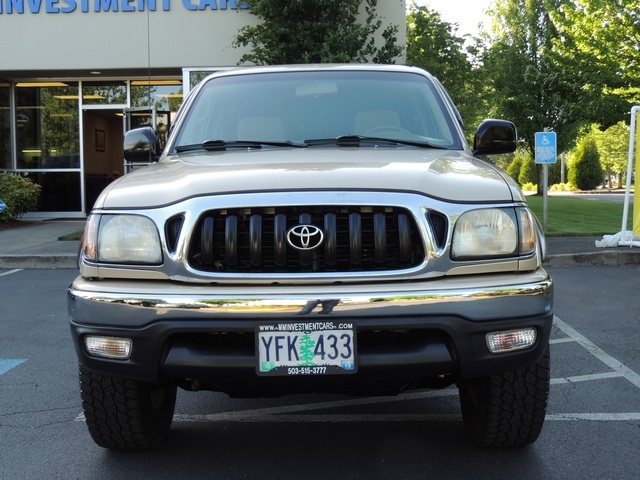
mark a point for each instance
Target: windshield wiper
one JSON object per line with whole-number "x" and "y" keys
{"x": 218, "y": 145}
{"x": 359, "y": 140}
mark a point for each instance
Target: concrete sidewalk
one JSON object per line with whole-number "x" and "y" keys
{"x": 35, "y": 244}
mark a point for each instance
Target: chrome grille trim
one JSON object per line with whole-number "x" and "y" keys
{"x": 356, "y": 239}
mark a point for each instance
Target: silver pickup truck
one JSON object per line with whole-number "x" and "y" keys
{"x": 313, "y": 229}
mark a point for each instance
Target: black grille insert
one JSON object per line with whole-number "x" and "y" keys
{"x": 172, "y": 232}
{"x": 439, "y": 227}
{"x": 252, "y": 240}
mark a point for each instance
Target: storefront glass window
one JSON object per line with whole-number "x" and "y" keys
{"x": 47, "y": 126}
{"x": 195, "y": 77}
{"x": 60, "y": 191}
{"x": 5, "y": 127}
{"x": 166, "y": 95}
{"x": 104, "y": 93}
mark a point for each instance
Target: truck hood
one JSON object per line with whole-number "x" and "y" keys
{"x": 443, "y": 174}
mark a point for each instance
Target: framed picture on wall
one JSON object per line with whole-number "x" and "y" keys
{"x": 99, "y": 140}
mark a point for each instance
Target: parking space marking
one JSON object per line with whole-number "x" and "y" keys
{"x": 595, "y": 417}
{"x": 10, "y": 272}
{"x": 7, "y": 364}
{"x": 320, "y": 418}
{"x": 597, "y": 352}
{"x": 585, "y": 378}
{"x": 240, "y": 417}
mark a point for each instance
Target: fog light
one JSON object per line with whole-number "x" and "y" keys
{"x": 500, "y": 342}
{"x": 109, "y": 347}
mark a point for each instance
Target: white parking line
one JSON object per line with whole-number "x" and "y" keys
{"x": 250, "y": 416}
{"x": 327, "y": 417}
{"x": 240, "y": 417}
{"x": 585, "y": 378}
{"x": 352, "y": 402}
{"x": 595, "y": 417}
{"x": 597, "y": 352}
{"x": 10, "y": 272}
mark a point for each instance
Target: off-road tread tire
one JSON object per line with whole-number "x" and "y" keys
{"x": 124, "y": 414}
{"x": 507, "y": 409}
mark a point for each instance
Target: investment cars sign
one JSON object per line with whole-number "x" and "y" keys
{"x": 9, "y": 7}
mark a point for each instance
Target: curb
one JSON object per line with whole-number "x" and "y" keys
{"x": 39, "y": 262}
{"x": 606, "y": 258}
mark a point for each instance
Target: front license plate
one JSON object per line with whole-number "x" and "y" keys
{"x": 305, "y": 348}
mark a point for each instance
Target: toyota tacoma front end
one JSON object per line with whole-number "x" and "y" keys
{"x": 314, "y": 229}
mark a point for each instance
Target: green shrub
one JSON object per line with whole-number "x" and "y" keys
{"x": 528, "y": 171}
{"x": 530, "y": 187}
{"x": 562, "y": 187}
{"x": 586, "y": 171}
{"x": 513, "y": 170}
{"x": 554, "y": 173}
{"x": 19, "y": 194}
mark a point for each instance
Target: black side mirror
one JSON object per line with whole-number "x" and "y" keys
{"x": 495, "y": 137}
{"x": 141, "y": 145}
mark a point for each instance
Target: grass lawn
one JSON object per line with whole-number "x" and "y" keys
{"x": 71, "y": 236}
{"x": 570, "y": 216}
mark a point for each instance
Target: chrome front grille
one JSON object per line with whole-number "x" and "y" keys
{"x": 355, "y": 239}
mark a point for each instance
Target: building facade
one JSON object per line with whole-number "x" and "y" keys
{"x": 76, "y": 74}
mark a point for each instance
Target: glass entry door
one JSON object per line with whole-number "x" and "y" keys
{"x": 102, "y": 150}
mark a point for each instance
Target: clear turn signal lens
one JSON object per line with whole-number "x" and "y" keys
{"x": 508, "y": 341}
{"x": 528, "y": 234}
{"x": 108, "y": 347}
{"x": 89, "y": 244}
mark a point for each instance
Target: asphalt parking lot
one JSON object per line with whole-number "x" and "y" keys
{"x": 592, "y": 428}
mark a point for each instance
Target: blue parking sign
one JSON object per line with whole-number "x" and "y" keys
{"x": 2, "y": 206}
{"x": 546, "y": 147}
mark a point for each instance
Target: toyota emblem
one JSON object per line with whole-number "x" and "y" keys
{"x": 305, "y": 237}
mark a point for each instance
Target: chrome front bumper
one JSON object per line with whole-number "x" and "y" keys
{"x": 167, "y": 322}
{"x": 477, "y": 299}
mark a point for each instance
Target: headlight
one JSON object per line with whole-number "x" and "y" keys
{"x": 123, "y": 239}
{"x": 494, "y": 233}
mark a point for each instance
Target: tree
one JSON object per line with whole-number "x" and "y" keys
{"x": 585, "y": 171}
{"x": 597, "y": 46}
{"x": 316, "y": 31}
{"x": 613, "y": 146}
{"x": 529, "y": 86}
{"x": 432, "y": 44}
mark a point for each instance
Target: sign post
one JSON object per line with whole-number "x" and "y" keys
{"x": 546, "y": 152}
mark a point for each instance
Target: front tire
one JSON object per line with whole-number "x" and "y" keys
{"x": 124, "y": 414}
{"x": 507, "y": 409}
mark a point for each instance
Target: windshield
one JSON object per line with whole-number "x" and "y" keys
{"x": 314, "y": 107}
